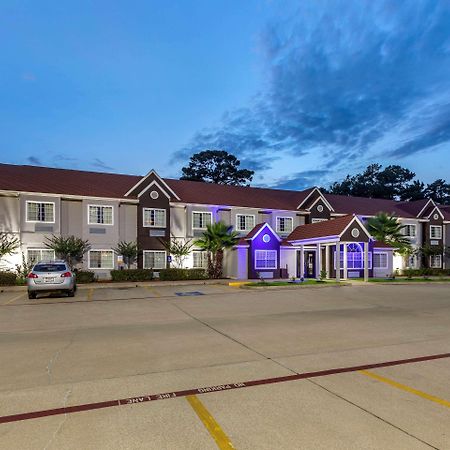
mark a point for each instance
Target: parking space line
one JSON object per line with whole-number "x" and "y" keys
{"x": 14, "y": 298}
{"x": 214, "y": 429}
{"x": 209, "y": 389}
{"x": 405, "y": 388}
{"x": 153, "y": 291}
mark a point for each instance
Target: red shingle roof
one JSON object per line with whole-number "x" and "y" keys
{"x": 99, "y": 184}
{"x": 64, "y": 181}
{"x": 379, "y": 244}
{"x": 217, "y": 194}
{"x": 321, "y": 229}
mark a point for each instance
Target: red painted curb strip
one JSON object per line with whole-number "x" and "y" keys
{"x": 205, "y": 390}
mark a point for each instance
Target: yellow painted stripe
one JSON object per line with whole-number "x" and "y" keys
{"x": 153, "y": 291}
{"x": 90, "y": 293}
{"x": 222, "y": 440}
{"x": 237, "y": 283}
{"x": 14, "y": 298}
{"x": 405, "y": 388}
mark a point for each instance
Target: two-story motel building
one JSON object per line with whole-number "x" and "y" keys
{"x": 283, "y": 233}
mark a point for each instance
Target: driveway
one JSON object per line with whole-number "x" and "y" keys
{"x": 213, "y": 366}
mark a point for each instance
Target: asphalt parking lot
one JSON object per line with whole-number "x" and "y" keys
{"x": 213, "y": 366}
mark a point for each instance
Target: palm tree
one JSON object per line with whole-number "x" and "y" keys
{"x": 216, "y": 238}
{"x": 388, "y": 229}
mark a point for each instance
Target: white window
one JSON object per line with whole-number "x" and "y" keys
{"x": 34, "y": 255}
{"x": 99, "y": 214}
{"x": 409, "y": 230}
{"x": 200, "y": 220}
{"x": 101, "y": 259}
{"x": 154, "y": 218}
{"x": 380, "y": 260}
{"x": 200, "y": 259}
{"x": 245, "y": 222}
{"x": 355, "y": 257}
{"x": 436, "y": 232}
{"x": 265, "y": 259}
{"x": 318, "y": 220}
{"x": 155, "y": 259}
{"x": 436, "y": 261}
{"x": 40, "y": 212}
{"x": 284, "y": 224}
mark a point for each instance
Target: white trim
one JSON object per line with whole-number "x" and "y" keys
{"x": 154, "y": 251}
{"x": 200, "y": 212}
{"x": 152, "y": 172}
{"x": 40, "y": 250}
{"x": 39, "y": 221}
{"x": 380, "y": 253}
{"x": 318, "y": 220}
{"x": 410, "y": 225}
{"x": 360, "y": 224}
{"x": 314, "y": 203}
{"x": 153, "y": 183}
{"x": 267, "y": 252}
{"x": 9, "y": 193}
{"x": 284, "y": 217}
{"x": 432, "y": 212}
{"x": 332, "y": 239}
{"x": 438, "y": 227}
{"x": 321, "y": 195}
{"x": 154, "y": 226}
{"x": 100, "y": 250}
{"x": 265, "y": 225}
{"x": 246, "y": 215}
{"x": 440, "y": 261}
{"x": 100, "y": 206}
{"x": 426, "y": 206}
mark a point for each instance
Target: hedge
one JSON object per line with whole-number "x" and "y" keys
{"x": 132, "y": 275}
{"x": 173, "y": 274}
{"x": 426, "y": 272}
{"x": 85, "y": 276}
{"x": 7, "y": 278}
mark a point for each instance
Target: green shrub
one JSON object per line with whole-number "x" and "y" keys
{"x": 426, "y": 272}
{"x": 7, "y": 278}
{"x": 85, "y": 276}
{"x": 173, "y": 274}
{"x": 132, "y": 275}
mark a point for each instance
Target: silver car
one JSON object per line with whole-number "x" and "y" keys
{"x": 51, "y": 276}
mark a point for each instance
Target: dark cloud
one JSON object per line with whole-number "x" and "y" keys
{"x": 34, "y": 160}
{"x": 342, "y": 75}
{"x": 301, "y": 180}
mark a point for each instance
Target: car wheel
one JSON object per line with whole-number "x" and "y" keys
{"x": 71, "y": 293}
{"x": 31, "y": 295}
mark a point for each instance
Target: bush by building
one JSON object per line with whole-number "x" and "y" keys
{"x": 174, "y": 274}
{"x": 132, "y": 275}
{"x": 8, "y": 278}
{"x": 85, "y": 276}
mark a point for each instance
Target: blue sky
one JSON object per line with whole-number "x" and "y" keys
{"x": 303, "y": 92}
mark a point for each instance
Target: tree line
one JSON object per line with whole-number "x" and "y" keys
{"x": 392, "y": 182}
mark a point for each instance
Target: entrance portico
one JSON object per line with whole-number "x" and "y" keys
{"x": 341, "y": 247}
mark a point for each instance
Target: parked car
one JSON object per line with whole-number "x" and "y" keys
{"x": 51, "y": 276}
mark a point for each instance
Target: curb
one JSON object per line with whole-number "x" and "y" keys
{"x": 112, "y": 285}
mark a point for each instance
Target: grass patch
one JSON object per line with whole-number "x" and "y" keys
{"x": 408, "y": 280}
{"x": 287, "y": 283}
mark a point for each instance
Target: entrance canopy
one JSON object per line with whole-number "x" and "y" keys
{"x": 330, "y": 233}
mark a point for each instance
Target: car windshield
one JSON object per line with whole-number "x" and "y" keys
{"x": 49, "y": 268}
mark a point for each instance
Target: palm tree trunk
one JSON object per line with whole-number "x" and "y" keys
{"x": 219, "y": 264}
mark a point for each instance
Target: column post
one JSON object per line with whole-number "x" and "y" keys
{"x": 318, "y": 260}
{"x": 302, "y": 261}
{"x": 366, "y": 261}
{"x": 338, "y": 262}
{"x": 345, "y": 276}
{"x": 327, "y": 259}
